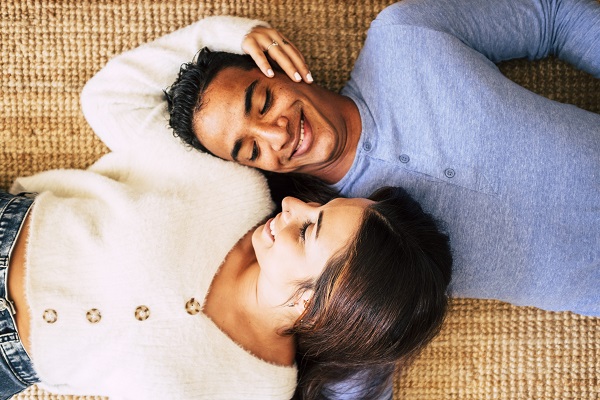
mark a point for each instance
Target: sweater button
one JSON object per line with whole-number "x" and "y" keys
{"x": 50, "y": 316}
{"x": 404, "y": 158}
{"x": 142, "y": 313}
{"x": 192, "y": 306}
{"x": 93, "y": 316}
{"x": 367, "y": 146}
{"x": 449, "y": 172}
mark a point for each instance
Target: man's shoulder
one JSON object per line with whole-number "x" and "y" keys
{"x": 422, "y": 14}
{"x": 400, "y": 13}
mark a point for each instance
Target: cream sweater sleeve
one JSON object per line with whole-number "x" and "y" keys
{"x": 124, "y": 102}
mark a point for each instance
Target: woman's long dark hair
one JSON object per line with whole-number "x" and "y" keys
{"x": 303, "y": 187}
{"x": 378, "y": 303}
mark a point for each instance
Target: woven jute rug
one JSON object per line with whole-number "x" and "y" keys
{"x": 50, "y": 48}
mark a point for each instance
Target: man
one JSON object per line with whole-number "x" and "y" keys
{"x": 514, "y": 175}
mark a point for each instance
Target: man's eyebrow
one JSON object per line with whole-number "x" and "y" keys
{"x": 236, "y": 149}
{"x": 248, "y": 100}
{"x": 319, "y": 224}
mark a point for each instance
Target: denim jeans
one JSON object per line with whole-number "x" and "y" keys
{"x": 16, "y": 369}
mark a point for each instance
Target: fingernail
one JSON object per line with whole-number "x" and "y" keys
{"x": 270, "y": 72}
{"x": 309, "y": 77}
{"x": 297, "y": 76}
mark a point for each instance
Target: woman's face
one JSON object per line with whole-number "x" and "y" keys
{"x": 297, "y": 243}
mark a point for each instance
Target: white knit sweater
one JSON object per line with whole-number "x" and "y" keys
{"x": 139, "y": 233}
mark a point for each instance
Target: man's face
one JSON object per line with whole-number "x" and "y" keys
{"x": 273, "y": 124}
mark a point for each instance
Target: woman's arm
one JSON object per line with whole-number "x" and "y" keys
{"x": 124, "y": 102}
{"x": 507, "y": 29}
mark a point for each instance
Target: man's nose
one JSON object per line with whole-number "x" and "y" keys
{"x": 274, "y": 134}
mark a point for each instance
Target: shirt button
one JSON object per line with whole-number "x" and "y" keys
{"x": 449, "y": 172}
{"x": 93, "y": 315}
{"x": 367, "y": 146}
{"x": 404, "y": 158}
{"x": 142, "y": 313}
{"x": 50, "y": 316}
{"x": 192, "y": 306}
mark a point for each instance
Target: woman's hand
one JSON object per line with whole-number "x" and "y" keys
{"x": 263, "y": 40}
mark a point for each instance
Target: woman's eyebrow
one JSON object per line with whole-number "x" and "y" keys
{"x": 249, "y": 92}
{"x": 319, "y": 224}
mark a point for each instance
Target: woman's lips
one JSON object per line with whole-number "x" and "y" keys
{"x": 305, "y": 140}
{"x": 267, "y": 230}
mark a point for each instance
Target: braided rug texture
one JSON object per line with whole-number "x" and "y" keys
{"x": 50, "y": 48}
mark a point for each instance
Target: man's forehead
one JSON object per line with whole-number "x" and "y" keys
{"x": 222, "y": 111}
{"x": 214, "y": 131}
{"x": 228, "y": 87}
{"x": 232, "y": 77}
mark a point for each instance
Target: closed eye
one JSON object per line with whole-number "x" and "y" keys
{"x": 303, "y": 229}
{"x": 268, "y": 102}
{"x": 254, "y": 155}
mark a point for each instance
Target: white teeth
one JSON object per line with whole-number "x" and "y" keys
{"x": 272, "y": 227}
{"x": 301, "y": 133}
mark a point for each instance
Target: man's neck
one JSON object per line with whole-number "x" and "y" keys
{"x": 335, "y": 171}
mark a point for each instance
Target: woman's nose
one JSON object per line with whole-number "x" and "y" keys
{"x": 292, "y": 208}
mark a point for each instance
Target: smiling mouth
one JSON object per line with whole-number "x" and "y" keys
{"x": 269, "y": 230}
{"x": 272, "y": 227}
{"x": 301, "y": 134}
{"x": 304, "y": 140}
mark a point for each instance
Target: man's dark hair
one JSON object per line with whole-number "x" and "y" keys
{"x": 185, "y": 96}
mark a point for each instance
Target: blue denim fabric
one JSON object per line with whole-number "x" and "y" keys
{"x": 16, "y": 369}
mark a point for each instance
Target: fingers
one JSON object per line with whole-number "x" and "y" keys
{"x": 256, "y": 52}
{"x": 290, "y": 60}
{"x": 261, "y": 41}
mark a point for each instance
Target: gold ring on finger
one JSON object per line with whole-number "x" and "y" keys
{"x": 272, "y": 44}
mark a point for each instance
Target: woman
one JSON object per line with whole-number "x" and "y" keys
{"x": 112, "y": 297}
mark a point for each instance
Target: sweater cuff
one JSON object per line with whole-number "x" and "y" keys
{"x": 227, "y": 32}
